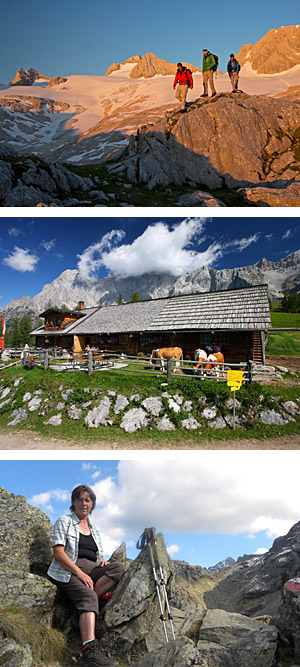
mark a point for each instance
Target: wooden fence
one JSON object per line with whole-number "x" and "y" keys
{"x": 92, "y": 361}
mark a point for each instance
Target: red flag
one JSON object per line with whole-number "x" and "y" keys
{"x": 3, "y": 326}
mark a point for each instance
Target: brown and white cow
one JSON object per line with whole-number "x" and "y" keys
{"x": 215, "y": 361}
{"x": 166, "y": 353}
{"x": 201, "y": 357}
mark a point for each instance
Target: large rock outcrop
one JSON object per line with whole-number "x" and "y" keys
{"x": 236, "y": 140}
{"x": 277, "y": 51}
{"x": 287, "y": 620}
{"x": 25, "y": 554}
{"x": 30, "y": 182}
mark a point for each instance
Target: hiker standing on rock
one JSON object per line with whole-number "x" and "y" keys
{"x": 79, "y": 569}
{"x": 208, "y": 68}
{"x": 185, "y": 81}
{"x": 233, "y": 68}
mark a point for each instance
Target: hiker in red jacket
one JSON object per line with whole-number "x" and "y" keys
{"x": 185, "y": 81}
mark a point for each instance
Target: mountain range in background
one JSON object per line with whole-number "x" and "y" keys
{"x": 282, "y": 276}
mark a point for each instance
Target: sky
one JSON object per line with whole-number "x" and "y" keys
{"x": 208, "y": 506}
{"x": 64, "y": 37}
{"x": 35, "y": 251}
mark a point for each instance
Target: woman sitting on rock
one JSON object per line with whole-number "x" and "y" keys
{"x": 79, "y": 569}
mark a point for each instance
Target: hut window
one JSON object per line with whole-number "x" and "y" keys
{"x": 221, "y": 339}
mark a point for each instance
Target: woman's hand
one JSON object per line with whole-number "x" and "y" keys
{"x": 86, "y": 579}
{"x": 103, "y": 562}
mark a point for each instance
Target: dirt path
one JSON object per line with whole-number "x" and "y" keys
{"x": 21, "y": 441}
{"x": 292, "y": 363}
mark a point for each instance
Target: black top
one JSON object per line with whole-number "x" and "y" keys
{"x": 87, "y": 547}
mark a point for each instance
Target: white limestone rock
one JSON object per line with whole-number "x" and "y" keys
{"x": 99, "y": 415}
{"x": 134, "y": 419}
{"x": 153, "y": 404}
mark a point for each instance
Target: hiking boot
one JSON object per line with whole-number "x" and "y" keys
{"x": 213, "y": 94}
{"x": 204, "y": 95}
{"x": 92, "y": 657}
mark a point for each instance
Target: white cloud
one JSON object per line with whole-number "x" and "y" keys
{"x": 159, "y": 249}
{"x": 88, "y": 262}
{"x": 241, "y": 244}
{"x": 194, "y": 495}
{"x": 96, "y": 474}
{"x": 21, "y": 260}
{"x": 88, "y": 466}
{"x": 13, "y": 231}
{"x": 173, "y": 549}
{"x": 48, "y": 245}
{"x": 260, "y": 551}
{"x": 287, "y": 234}
{"x": 43, "y": 499}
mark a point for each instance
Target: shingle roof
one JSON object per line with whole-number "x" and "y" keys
{"x": 238, "y": 309}
{"x": 246, "y": 308}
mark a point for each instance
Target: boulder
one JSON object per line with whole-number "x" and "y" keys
{"x": 287, "y": 620}
{"x": 179, "y": 653}
{"x": 231, "y": 140}
{"x": 233, "y": 640}
{"x": 134, "y": 419}
{"x": 99, "y": 414}
{"x": 284, "y": 195}
{"x": 199, "y": 198}
{"x": 15, "y": 655}
{"x": 131, "y": 623}
{"x": 25, "y": 554}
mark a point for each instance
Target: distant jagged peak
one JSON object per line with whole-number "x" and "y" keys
{"x": 277, "y": 51}
{"x": 148, "y": 66}
{"x": 29, "y": 76}
{"x": 116, "y": 66}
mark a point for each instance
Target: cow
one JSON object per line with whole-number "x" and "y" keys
{"x": 166, "y": 353}
{"x": 216, "y": 362}
{"x": 201, "y": 357}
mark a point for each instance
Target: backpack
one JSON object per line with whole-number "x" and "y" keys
{"x": 215, "y": 67}
{"x": 189, "y": 71}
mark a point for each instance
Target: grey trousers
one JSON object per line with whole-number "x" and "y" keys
{"x": 83, "y": 597}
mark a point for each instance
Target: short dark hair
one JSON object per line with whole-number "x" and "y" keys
{"x": 231, "y": 55}
{"x": 179, "y": 64}
{"x": 82, "y": 488}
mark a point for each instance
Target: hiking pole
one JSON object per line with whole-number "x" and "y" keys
{"x": 146, "y": 539}
{"x": 162, "y": 580}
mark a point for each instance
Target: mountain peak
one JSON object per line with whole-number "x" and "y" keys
{"x": 148, "y": 66}
{"x": 277, "y": 51}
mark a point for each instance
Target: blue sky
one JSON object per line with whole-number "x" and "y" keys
{"x": 35, "y": 251}
{"x": 73, "y": 37}
{"x": 208, "y": 507}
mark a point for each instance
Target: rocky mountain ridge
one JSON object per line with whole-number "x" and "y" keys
{"x": 129, "y": 626}
{"x": 277, "y": 51}
{"x": 280, "y": 276}
{"x": 150, "y": 65}
{"x": 31, "y": 76}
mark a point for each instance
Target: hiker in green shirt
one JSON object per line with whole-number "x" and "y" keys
{"x": 208, "y": 69}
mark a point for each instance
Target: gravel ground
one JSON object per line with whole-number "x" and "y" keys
{"x": 21, "y": 440}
